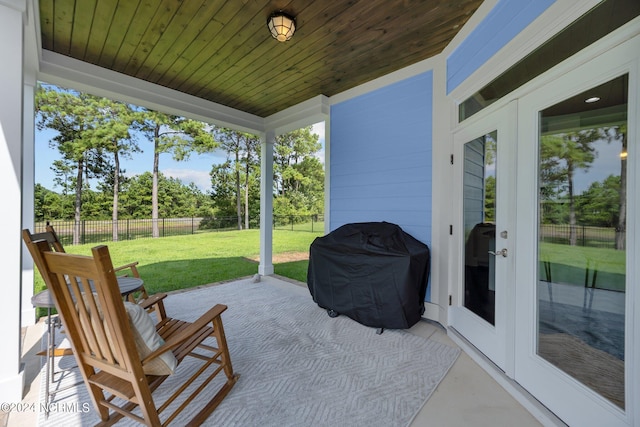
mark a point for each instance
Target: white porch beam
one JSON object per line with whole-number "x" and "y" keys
{"x": 68, "y": 72}
{"x": 12, "y": 14}
{"x": 268, "y": 139}
{"x": 306, "y": 113}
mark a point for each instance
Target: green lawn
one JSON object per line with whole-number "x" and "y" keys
{"x": 569, "y": 264}
{"x": 180, "y": 262}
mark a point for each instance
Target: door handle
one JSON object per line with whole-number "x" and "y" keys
{"x": 502, "y": 252}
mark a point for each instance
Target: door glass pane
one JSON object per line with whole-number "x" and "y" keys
{"x": 479, "y": 225}
{"x": 582, "y": 236}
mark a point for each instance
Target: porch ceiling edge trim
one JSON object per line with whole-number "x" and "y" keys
{"x": 393, "y": 77}
{"x": 19, "y": 5}
{"x": 68, "y": 72}
{"x": 306, "y": 113}
{"x": 472, "y": 23}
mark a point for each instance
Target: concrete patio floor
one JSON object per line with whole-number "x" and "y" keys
{"x": 467, "y": 395}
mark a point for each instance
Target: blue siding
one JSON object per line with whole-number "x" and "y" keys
{"x": 503, "y": 23}
{"x": 381, "y": 157}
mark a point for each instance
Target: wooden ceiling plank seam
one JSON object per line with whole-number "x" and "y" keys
{"x": 288, "y": 51}
{"x": 193, "y": 30}
{"x": 175, "y": 75}
{"x": 174, "y": 30}
{"x": 198, "y": 51}
{"x": 47, "y": 19}
{"x": 120, "y": 26}
{"x": 81, "y": 32}
{"x": 135, "y": 32}
{"x": 237, "y": 41}
{"x": 100, "y": 30}
{"x": 63, "y": 25}
{"x": 434, "y": 37}
{"x": 82, "y": 27}
{"x": 396, "y": 35}
{"x": 234, "y": 26}
{"x": 387, "y": 34}
{"x": 157, "y": 24}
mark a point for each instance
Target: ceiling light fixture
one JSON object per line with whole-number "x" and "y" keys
{"x": 281, "y": 25}
{"x": 592, "y": 99}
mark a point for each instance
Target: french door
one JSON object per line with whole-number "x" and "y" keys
{"x": 548, "y": 280}
{"x": 484, "y": 175}
{"x": 576, "y": 342}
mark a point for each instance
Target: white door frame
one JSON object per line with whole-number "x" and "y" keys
{"x": 562, "y": 394}
{"x": 494, "y": 341}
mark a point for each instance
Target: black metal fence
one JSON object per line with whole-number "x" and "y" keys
{"x": 90, "y": 231}
{"x": 597, "y": 237}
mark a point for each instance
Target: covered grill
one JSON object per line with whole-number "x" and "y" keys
{"x": 373, "y": 272}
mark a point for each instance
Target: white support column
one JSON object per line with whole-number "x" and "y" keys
{"x": 28, "y": 184}
{"x": 442, "y": 197}
{"x": 327, "y": 174}
{"x": 266, "y": 203}
{"x": 12, "y": 15}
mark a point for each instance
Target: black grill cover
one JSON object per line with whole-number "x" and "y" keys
{"x": 373, "y": 272}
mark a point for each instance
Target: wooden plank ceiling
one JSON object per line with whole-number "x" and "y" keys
{"x": 222, "y": 50}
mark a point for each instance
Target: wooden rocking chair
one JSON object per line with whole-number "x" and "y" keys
{"x": 121, "y": 368}
{"x": 55, "y": 244}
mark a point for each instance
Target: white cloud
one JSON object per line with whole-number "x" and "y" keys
{"x": 201, "y": 179}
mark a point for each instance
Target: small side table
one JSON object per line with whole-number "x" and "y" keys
{"x": 129, "y": 285}
{"x": 44, "y": 299}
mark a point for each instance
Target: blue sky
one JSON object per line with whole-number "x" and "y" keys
{"x": 195, "y": 170}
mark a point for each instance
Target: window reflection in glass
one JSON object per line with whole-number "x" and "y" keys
{"x": 479, "y": 184}
{"x": 582, "y": 237}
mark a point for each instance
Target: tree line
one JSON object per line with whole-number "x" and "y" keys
{"x": 562, "y": 155}
{"x": 93, "y": 134}
{"x": 603, "y": 204}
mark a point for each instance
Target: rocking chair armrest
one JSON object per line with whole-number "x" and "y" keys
{"x": 155, "y": 299}
{"x": 188, "y": 332}
{"x": 132, "y": 266}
